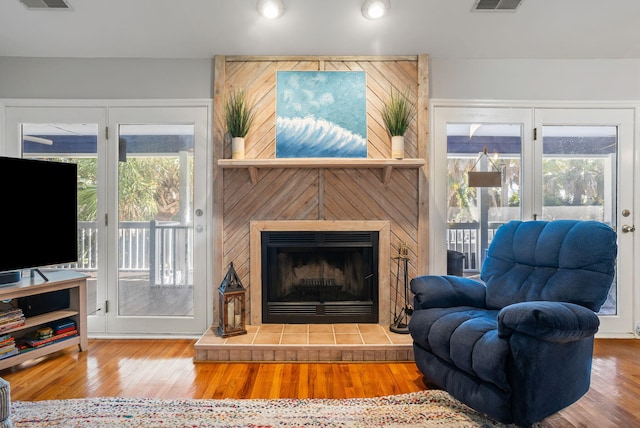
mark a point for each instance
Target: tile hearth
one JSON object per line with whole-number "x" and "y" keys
{"x": 306, "y": 342}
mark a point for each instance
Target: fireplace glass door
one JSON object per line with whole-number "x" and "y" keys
{"x": 320, "y": 277}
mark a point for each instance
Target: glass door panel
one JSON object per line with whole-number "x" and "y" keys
{"x": 584, "y": 154}
{"x": 75, "y": 143}
{"x": 155, "y": 228}
{"x": 463, "y": 217}
{"x": 579, "y": 178}
{"x": 579, "y": 167}
{"x": 475, "y": 212}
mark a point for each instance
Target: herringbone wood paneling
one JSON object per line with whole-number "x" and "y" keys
{"x": 317, "y": 193}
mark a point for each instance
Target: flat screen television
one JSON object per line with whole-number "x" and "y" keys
{"x": 38, "y": 216}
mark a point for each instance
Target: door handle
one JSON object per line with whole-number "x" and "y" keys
{"x": 626, "y": 228}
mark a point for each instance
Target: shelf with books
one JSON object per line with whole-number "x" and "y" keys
{"x": 39, "y": 334}
{"x": 45, "y": 318}
{"x": 11, "y": 320}
{"x": 47, "y": 335}
{"x": 8, "y": 346}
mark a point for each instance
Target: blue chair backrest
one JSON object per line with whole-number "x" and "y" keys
{"x": 562, "y": 260}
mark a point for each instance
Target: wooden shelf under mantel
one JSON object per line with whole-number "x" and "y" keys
{"x": 387, "y": 165}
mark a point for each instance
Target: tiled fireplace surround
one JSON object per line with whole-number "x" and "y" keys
{"x": 312, "y": 342}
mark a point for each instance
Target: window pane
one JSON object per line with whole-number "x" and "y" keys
{"x": 77, "y": 143}
{"x": 474, "y": 213}
{"x": 579, "y": 179}
{"x": 579, "y": 172}
{"x": 155, "y": 233}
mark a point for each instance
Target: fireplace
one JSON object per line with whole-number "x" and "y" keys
{"x": 381, "y": 227}
{"x": 319, "y": 276}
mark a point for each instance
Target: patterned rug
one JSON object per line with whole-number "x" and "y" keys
{"x": 420, "y": 409}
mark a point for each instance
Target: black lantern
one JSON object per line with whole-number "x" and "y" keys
{"x": 232, "y": 301}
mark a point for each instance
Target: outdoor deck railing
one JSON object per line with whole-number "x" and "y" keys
{"x": 466, "y": 239}
{"x": 163, "y": 249}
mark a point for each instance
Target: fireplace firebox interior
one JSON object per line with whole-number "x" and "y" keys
{"x": 319, "y": 277}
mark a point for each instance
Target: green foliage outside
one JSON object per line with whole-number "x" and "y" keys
{"x": 566, "y": 182}
{"x": 149, "y": 188}
{"x": 573, "y": 182}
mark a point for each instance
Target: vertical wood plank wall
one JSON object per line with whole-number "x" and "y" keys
{"x": 320, "y": 194}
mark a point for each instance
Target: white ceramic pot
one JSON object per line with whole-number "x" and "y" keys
{"x": 397, "y": 147}
{"x": 237, "y": 148}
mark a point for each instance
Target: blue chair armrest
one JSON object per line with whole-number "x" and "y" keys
{"x": 549, "y": 321}
{"x": 445, "y": 291}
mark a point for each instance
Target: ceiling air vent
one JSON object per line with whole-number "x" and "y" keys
{"x": 46, "y": 4}
{"x": 489, "y": 5}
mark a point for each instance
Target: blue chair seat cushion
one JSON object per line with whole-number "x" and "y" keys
{"x": 466, "y": 338}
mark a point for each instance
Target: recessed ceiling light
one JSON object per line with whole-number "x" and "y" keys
{"x": 270, "y": 9}
{"x": 375, "y": 9}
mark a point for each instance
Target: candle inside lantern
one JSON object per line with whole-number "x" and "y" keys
{"x": 231, "y": 313}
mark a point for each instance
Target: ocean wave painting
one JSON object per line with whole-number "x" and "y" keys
{"x": 310, "y": 137}
{"x": 321, "y": 114}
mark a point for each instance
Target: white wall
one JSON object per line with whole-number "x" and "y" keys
{"x": 499, "y": 79}
{"x": 553, "y": 80}
{"x": 100, "y": 78}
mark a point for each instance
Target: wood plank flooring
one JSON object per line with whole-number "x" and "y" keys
{"x": 165, "y": 369}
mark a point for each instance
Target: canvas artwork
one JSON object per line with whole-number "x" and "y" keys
{"x": 321, "y": 114}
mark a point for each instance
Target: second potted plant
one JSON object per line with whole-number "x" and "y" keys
{"x": 397, "y": 113}
{"x": 239, "y": 116}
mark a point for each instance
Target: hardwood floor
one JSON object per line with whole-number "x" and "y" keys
{"x": 165, "y": 369}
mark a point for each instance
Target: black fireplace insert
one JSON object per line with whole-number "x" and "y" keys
{"x": 314, "y": 277}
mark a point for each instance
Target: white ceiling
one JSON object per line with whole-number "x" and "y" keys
{"x": 539, "y": 29}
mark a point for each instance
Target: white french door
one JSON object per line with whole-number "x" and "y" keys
{"x": 159, "y": 164}
{"x": 585, "y": 157}
{"x": 142, "y": 223}
{"x": 76, "y": 135}
{"x": 554, "y": 163}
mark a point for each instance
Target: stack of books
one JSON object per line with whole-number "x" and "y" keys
{"x": 52, "y": 333}
{"x": 11, "y": 318}
{"x": 7, "y": 346}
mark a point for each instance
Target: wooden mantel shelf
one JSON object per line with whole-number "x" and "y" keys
{"x": 387, "y": 165}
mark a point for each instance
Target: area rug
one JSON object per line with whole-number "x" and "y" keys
{"x": 419, "y": 409}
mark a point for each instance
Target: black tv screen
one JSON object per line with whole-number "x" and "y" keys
{"x": 39, "y": 213}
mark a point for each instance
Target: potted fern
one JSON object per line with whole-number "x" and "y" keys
{"x": 239, "y": 115}
{"x": 397, "y": 113}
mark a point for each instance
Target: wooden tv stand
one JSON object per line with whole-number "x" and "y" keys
{"x": 76, "y": 283}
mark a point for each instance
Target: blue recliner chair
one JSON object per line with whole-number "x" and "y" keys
{"x": 519, "y": 346}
